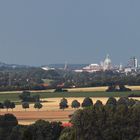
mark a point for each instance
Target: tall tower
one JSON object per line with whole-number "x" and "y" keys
{"x": 66, "y": 66}
{"x": 135, "y": 62}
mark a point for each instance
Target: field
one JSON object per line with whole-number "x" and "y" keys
{"x": 15, "y": 96}
{"x": 50, "y": 110}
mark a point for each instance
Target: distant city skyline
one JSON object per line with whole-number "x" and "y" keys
{"x": 80, "y": 32}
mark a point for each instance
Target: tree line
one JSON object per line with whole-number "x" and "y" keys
{"x": 7, "y": 104}
{"x": 34, "y": 79}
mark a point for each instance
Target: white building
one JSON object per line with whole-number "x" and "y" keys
{"x": 47, "y": 68}
{"x": 92, "y": 68}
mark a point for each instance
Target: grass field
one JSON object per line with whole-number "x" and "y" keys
{"x": 74, "y": 92}
{"x": 15, "y": 96}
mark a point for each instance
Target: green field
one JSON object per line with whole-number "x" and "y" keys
{"x": 15, "y": 96}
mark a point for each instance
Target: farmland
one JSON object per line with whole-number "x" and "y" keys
{"x": 15, "y": 96}
{"x": 51, "y": 100}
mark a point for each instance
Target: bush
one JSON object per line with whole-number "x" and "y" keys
{"x": 60, "y": 90}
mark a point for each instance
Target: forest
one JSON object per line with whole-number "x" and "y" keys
{"x": 35, "y": 78}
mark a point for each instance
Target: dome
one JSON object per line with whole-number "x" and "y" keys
{"x": 107, "y": 60}
{"x": 107, "y": 63}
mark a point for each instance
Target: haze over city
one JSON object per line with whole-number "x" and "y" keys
{"x": 42, "y": 32}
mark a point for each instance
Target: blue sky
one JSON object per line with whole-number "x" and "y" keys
{"x": 38, "y": 32}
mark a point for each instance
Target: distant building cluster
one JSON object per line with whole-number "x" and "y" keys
{"x": 105, "y": 65}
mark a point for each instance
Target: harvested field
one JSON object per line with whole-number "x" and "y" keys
{"x": 89, "y": 89}
{"x": 29, "y": 117}
{"x": 50, "y": 110}
{"x": 134, "y": 88}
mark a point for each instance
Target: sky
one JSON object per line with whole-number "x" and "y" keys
{"x": 39, "y": 32}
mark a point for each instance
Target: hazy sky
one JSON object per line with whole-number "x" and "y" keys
{"x": 36, "y": 32}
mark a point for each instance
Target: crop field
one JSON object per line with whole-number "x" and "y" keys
{"x": 51, "y": 100}
{"x": 15, "y": 96}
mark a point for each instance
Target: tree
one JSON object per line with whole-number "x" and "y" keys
{"x": 25, "y": 105}
{"x": 1, "y": 106}
{"x": 12, "y": 105}
{"x": 7, "y": 104}
{"x": 75, "y": 104}
{"x": 56, "y": 130}
{"x": 43, "y": 130}
{"x": 121, "y": 123}
{"x": 63, "y": 104}
{"x": 68, "y": 134}
{"x": 17, "y": 132}
{"x": 64, "y": 100}
{"x": 24, "y": 96}
{"x": 7, "y": 123}
{"x": 87, "y": 102}
{"x": 123, "y": 101}
{"x": 98, "y": 104}
{"x": 8, "y": 120}
{"x": 131, "y": 102}
{"x": 38, "y": 105}
{"x": 111, "y": 101}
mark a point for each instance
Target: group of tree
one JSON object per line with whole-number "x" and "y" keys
{"x": 37, "y": 105}
{"x": 101, "y": 78}
{"x": 26, "y": 78}
{"x": 116, "y": 120}
{"x": 117, "y": 88}
{"x": 26, "y": 96}
{"x": 40, "y": 130}
{"x": 75, "y": 104}
{"x": 32, "y": 78}
{"x": 7, "y": 104}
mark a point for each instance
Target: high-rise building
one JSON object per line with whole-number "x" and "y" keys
{"x": 133, "y": 62}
